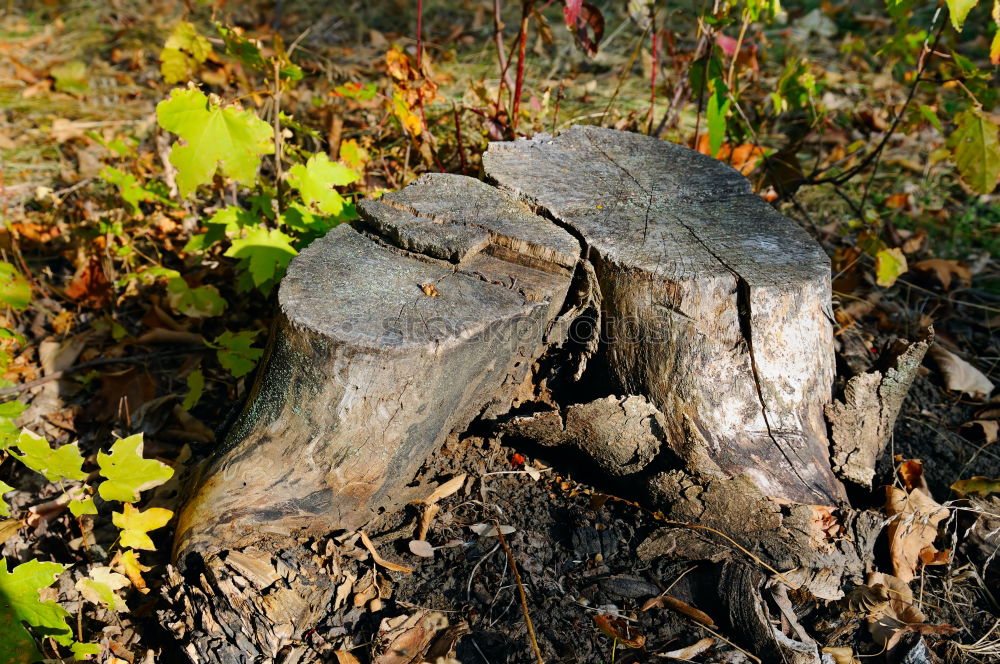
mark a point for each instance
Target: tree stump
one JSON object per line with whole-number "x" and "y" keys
{"x": 597, "y": 256}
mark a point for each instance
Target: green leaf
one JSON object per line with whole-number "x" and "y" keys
{"x": 55, "y": 464}
{"x": 80, "y": 507}
{"x": 717, "y": 110}
{"x": 235, "y": 352}
{"x": 185, "y": 37}
{"x": 4, "y": 507}
{"x": 129, "y": 188}
{"x": 20, "y": 602}
{"x": 265, "y": 252}
{"x": 100, "y": 588}
{"x": 128, "y": 472}
{"x": 200, "y": 302}
{"x": 889, "y": 265}
{"x": 82, "y": 650}
{"x": 930, "y": 115}
{"x": 977, "y": 150}
{"x": 241, "y": 48}
{"x": 15, "y": 291}
{"x": 316, "y": 181}
{"x": 227, "y": 139}
{"x": 196, "y": 387}
{"x": 959, "y": 9}
{"x": 71, "y": 77}
{"x": 358, "y": 91}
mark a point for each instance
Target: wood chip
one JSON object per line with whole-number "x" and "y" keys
{"x": 446, "y": 489}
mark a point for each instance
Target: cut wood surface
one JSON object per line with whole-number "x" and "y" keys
{"x": 715, "y": 306}
{"x": 396, "y": 331}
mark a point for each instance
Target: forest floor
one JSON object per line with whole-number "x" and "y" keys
{"x": 102, "y": 354}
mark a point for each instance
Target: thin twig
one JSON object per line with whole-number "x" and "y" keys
{"x": 520, "y": 590}
{"x": 505, "y": 78}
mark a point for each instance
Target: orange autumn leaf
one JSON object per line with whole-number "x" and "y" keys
{"x": 91, "y": 287}
{"x": 744, "y": 157}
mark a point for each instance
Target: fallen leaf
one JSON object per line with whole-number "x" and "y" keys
{"x": 127, "y": 563}
{"x": 344, "y": 657}
{"x": 90, "y": 286}
{"x": 404, "y": 639}
{"x": 430, "y": 290}
{"x": 912, "y": 528}
{"x": 990, "y": 429}
{"x": 899, "y": 614}
{"x": 980, "y": 485}
{"x": 889, "y": 265}
{"x": 944, "y": 270}
{"x": 490, "y": 530}
{"x": 959, "y": 375}
{"x": 842, "y": 655}
{"x": 421, "y": 548}
{"x": 379, "y": 560}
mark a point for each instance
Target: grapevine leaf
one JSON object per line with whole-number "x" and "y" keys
{"x": 196, "y": 387}
{"x": 80, "y": 507}
{"x": 228, "y": 139}
{"x": 4, "y": 508}
{"x": 235, "y": 352}
{"x": 128, "y": 472}
{"x": 265, "y": 251}
{"x": 976, "y": 149}
{"x": 200, "y": 302}
{"x": 20, "y": 602}
{"x": 101, "y": 586}
{"x": 958, "y": 10}
{"x": 15, "y": 291}
{"x": 316, "y": 181}
{"x": 83, "y": 650}
{"x": 36, "y": 453}
{"x": 136, "y": 523}
{"x": 889, "y": 265}
{"x": 127, "y": 562}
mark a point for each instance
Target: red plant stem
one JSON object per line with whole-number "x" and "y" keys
{"x": 525, "y": 8}
{"x": 420, "y": 22}
{"x": 458, "y": 139}
{"x": 652, "y": 77}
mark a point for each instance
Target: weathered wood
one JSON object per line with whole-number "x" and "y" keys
{"x": 715, "y": 306}
{"x": 454, "y": 300}
{"x": 366, "y": 374}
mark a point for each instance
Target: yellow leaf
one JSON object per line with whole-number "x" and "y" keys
{"x": 889, "y": 265}
{"x": 127, "y": 562}
{"x": 136, "y": 523}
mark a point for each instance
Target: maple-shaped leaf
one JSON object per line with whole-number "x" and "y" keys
{"x": 216, "y": 137}
{"x": 20, "y": 602}
{"x": 183, "y": 51}
{"x": 127, "y": 563}
{"x": 977, "y": 149}
{"x": 100, "y": 588}
{"x": 136, "y": 523}
{"x": 83, "y": 650}
{"x": 198, "y": 302}
{"x": 129, "y": 188}
{"x": 15, "y": 291}
{"x": 236, "y": 353}
{"x": 316, "y": 181}
{"x": 33, "y": 451}
{"x": 4, "y": 507}
{"x": 128, "y": 472}
{"x": 265, "y": 252}
{"x": 83, "y": 506}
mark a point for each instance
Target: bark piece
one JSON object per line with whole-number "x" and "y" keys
{"x": 715, "y": 307}
{"x": 621, "y": 435}
{"x": 862, "y": 424}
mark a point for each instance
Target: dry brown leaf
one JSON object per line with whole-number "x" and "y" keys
{"x": 379, "y": 560}
{"x": 842, "y": 655}
{"x": 683, "y": 608}
{"x": 912, "y": 528}
{"x": 690, "y": 651}
{"x": 990, "y": 429}
{"x": 405, "y": 639}
{"x": 959, "y": 375}
{"x": 9, "y": 528}
{"x": 421, "y": 548}
{"x": 983, "y": 486}
{"x": 619, "y": 630}
{"x": 344, "y": 657}
{"x": 944, "y": 270}
{"x": 900, "y": 615}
